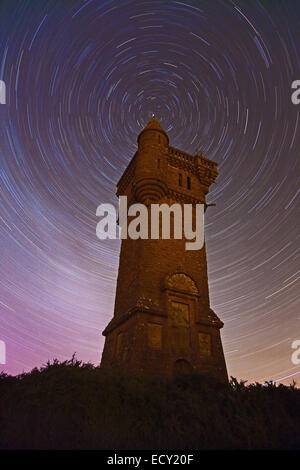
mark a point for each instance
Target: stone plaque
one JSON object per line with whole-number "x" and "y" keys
{"x": 180, "y": 314}
{"x": 154, "y": 336}
{"x": 180, "y": 331}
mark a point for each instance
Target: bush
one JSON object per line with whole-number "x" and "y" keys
{"x": 71, "y": 405}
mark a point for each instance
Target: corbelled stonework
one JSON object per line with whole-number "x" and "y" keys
{"x": 162, "y": 322}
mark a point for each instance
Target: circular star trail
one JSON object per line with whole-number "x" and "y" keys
{"x": 82, "y": 79}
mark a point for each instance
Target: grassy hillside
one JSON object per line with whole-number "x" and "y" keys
{"x": 71, "y": 405}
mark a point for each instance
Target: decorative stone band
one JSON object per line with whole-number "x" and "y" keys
{"x": 211, "y": 319}
{"x": 142, "y": 305}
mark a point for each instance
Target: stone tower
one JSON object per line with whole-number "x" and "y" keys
{"x": 163, "y": 323}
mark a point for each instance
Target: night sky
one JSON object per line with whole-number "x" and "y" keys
{"x": 83, "y": 78}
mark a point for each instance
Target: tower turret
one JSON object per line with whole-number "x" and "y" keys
{"x": 153, "y": 133}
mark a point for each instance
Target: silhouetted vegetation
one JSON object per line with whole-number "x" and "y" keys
{"x": 71, "y": 405}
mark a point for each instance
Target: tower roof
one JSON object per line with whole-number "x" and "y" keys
{"x": 153, "y": 125}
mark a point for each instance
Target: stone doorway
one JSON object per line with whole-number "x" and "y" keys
{"x": 182, "y": 367}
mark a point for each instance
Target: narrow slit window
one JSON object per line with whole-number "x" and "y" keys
{"x": 188, "y": 182}
{"x": 180, "y": 179}
{"x": 158, "y": 163}
{"x": 159, "y": 139}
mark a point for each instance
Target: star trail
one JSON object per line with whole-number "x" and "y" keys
{"x": 82, "y": 80}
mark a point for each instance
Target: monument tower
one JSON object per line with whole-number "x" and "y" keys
{"x": 163, "y": 323}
